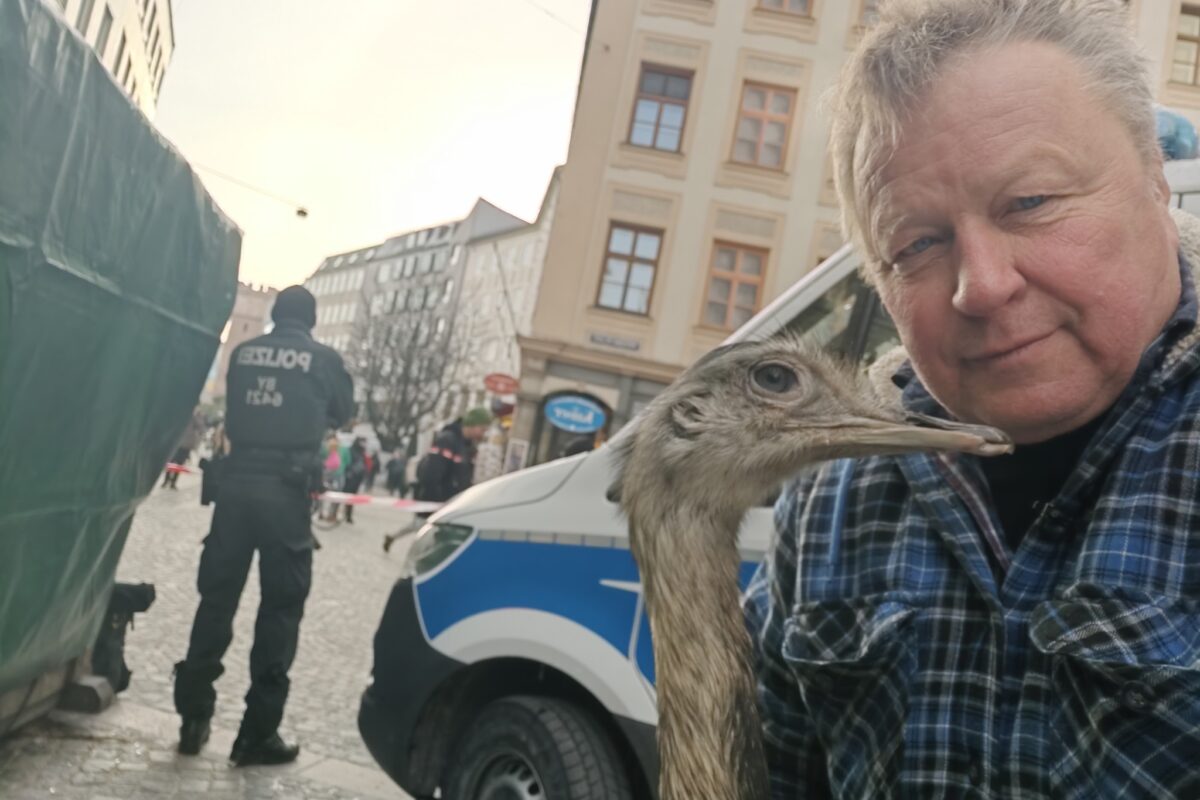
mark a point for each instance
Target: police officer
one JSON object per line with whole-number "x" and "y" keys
{"x": 449, "y": 466}
{"x": 284, "y": 392}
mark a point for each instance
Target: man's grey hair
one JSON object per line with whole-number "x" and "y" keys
{"x": 900, "y": 59}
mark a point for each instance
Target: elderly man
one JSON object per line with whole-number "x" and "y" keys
{"x": 1029, "y": 626}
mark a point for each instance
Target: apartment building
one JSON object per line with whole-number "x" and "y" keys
{"x": 500, "y": 284}
{"x": 134, "y": 40}
{"x": 342, "y": 284}
{"x": 403, "y": 295}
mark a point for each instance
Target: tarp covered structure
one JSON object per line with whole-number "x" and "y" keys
{"x": 117, "y": 274}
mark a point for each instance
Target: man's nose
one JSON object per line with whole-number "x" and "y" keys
{"x": 988, "y": 277}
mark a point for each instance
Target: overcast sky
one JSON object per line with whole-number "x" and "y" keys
{"x": 379, "y": 116}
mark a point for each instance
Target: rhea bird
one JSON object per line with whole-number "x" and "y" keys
{"x": 725, "y": 435}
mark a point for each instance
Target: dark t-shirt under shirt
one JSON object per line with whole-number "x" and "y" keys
{"x": 1023, "y": 481}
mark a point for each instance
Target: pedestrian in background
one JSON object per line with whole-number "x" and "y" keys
{"x": 397, "y": 480}
{"x": 285, "y": 391}
{"x": 449, "y": 466}
{"x": 332, "y": 470}
{"x": 218, "y": 443}
{"x": 356, "y": 472}
{"x": 372, "y": 459}
{"x": 193, "y": 434}
{"x": 582, "y": 444}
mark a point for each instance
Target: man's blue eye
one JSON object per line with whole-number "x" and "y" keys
{"x": 919, "y": 246}
{"x": 1027, "y": 203}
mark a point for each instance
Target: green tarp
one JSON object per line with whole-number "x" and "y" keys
{"x": 117, "y": 274}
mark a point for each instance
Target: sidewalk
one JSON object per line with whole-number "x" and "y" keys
{"x": 128, "y": 753}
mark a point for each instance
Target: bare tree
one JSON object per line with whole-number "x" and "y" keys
{"x": 408, "y": 362}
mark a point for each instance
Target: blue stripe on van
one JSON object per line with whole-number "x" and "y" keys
{"x": 556, "y": 578}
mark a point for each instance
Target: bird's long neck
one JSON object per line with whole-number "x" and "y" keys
{"x": 709, "y": 733}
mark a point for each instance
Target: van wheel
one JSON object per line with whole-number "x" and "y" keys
{"x": 535, "y": 748}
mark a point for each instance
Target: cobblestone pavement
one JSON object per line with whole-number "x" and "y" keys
{"x": 131, "y": 746}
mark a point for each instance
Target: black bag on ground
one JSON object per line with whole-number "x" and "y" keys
{"x": 108, "y": 654}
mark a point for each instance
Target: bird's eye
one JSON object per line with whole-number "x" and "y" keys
{"x": 775, "y": 378}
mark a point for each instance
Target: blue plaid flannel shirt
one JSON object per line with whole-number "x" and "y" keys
{"x": 903, "y": 651}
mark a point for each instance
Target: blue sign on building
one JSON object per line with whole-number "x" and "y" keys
{"x": 575, "y": 414}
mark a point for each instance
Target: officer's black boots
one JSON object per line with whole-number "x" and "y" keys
{"x": 193, "y": 733}
{"x": 272, "y": 750}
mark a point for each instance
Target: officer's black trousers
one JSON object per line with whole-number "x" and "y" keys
{"x": 253, "y": 512}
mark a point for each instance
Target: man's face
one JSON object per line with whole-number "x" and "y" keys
{"x": 475, "y": 433}
{"x": 1032, "y": 258}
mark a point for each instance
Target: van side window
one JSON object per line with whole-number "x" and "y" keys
{"x": 827, "y": 321}
{"x": 881, "y": 334}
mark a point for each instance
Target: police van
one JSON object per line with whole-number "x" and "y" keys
{"x": 513, "y": 660}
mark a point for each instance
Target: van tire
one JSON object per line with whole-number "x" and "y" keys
{"x": 570, "y": 755}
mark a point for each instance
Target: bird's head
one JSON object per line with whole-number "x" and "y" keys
{"x": 747, "y": 416}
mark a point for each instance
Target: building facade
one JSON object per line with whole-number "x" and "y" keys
{"x": 698, "y": 186}
{"x": 695, "y": 190}
{"x": 251, "y": 317}
{"x": 500, "y": 283}
{"x": 392, "y": 311}
{"x": 341, "y": 285}
{"x": 134, "y": 40}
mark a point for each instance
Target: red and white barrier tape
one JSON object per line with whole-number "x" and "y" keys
{"x": 347, "y": 499}
{"x": 413, "y": 506}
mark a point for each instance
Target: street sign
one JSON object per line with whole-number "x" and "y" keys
{"x": 500, "y": 383}
{"x": 575, "y": 414}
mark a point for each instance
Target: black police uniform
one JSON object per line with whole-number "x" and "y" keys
{"x": 448, "y": 467}
{"x": 285, "y": 390}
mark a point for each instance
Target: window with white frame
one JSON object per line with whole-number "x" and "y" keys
{"x": 1185, "y": 59}
{"x": 106, "y": 24}
{"x": 763, "y": 125}
{"x": 735, "y": 280}
{"x": 660, "y": 108}
{"x": 629, "y": 266}
{"x": 868, "y": 13}
{"x": 801, "y": 8}
{"x": 83, "y": 19}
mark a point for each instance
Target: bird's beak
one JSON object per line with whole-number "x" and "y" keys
{"x": 919, "y": 432}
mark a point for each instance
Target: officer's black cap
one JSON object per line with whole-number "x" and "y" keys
{"x": 295, "y": 303}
